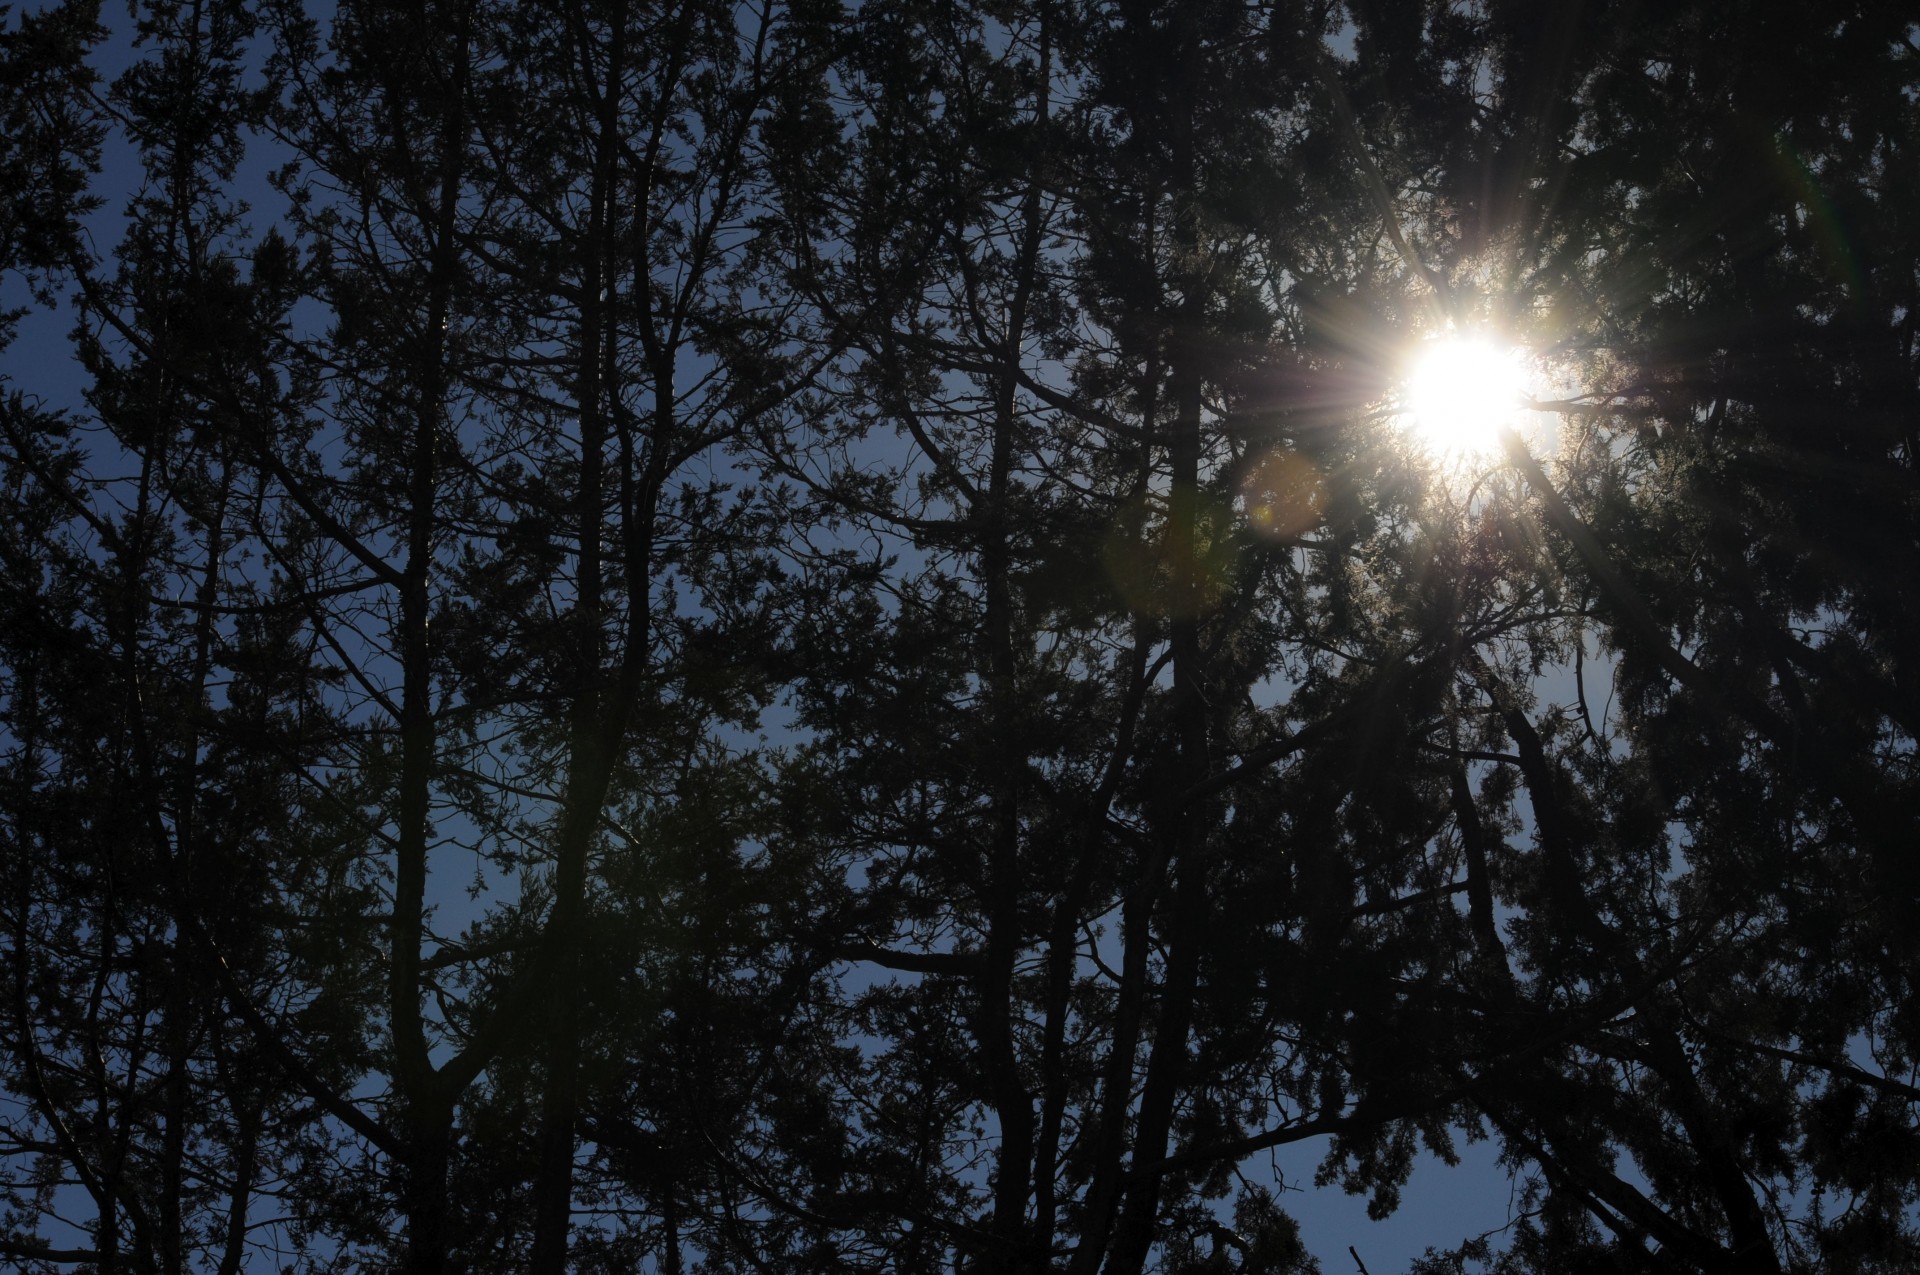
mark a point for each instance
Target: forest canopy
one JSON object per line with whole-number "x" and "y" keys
{"x": 811, "y": 637}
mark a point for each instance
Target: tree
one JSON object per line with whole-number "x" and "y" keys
{"x": 405, "y": 490}
{"x": 155, "y": 702}
{"x": 1137, "y": 238}
{"x": 1726, "y": 577}
{"x": 882, "y": 543}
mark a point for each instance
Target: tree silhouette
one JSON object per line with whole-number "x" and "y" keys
{"x": 810, "y": 637}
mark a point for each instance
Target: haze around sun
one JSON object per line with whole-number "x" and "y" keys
{"x": 1459, "y": 393}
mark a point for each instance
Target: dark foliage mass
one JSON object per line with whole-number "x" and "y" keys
{"x": 806, "y": 637}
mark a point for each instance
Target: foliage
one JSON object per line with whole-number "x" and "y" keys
{"x": 808, "y": 637}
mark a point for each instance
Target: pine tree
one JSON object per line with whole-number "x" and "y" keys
{"x": 880, "y": 547}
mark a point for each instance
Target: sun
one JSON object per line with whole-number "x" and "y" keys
{"x": 1460, "y": 392}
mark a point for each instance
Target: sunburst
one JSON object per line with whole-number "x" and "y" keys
{"x": 1461, "y": 392}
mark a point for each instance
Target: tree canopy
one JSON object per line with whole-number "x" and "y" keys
{"x": 799, "y": 637}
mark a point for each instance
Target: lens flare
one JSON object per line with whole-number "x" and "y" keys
{"x": 1283, "y": 494}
